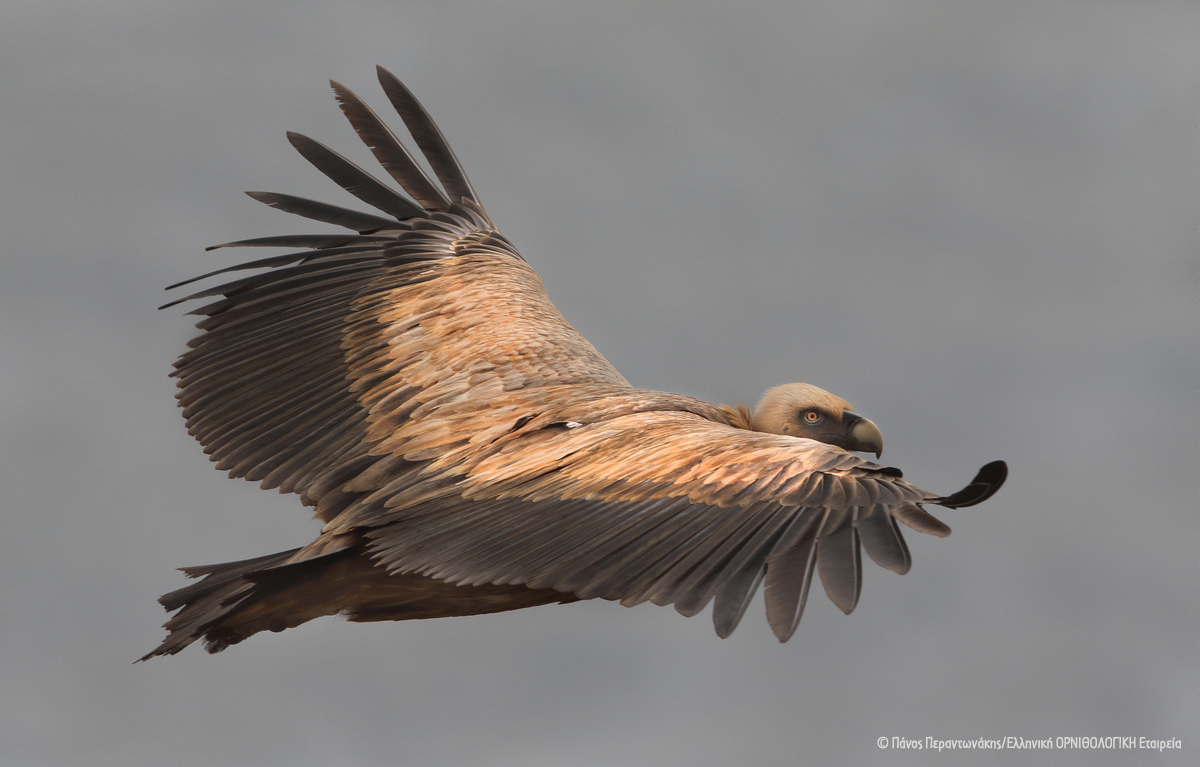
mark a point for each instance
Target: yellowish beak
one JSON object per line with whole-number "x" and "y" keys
{"x": 864, "y": 435}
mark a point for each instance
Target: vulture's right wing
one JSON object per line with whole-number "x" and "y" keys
{"x": 650, "y": 501}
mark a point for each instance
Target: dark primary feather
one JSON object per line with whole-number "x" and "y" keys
{"x": 354, "y": 179}
{"x": 789, "y": 575}
{"x": 316, "y": 261}
{"x": 920, "y": 520}
{"x": 388, "y": 150}
{"x": 470, "y": 452}
{"x": 295, "y": 241}
{"x": 882, "y": 539}
{"x": 428, "y": 137}
{"x": 330, "y": 214}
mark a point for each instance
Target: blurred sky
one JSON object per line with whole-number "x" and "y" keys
{"x": 974, "y": 220}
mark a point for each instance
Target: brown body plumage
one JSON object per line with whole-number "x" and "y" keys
{"x": 470, "y": 452}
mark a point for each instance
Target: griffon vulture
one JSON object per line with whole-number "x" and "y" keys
{"x": 470, "y": 452}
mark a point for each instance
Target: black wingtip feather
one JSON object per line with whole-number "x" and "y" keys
{"x": 300, "y": 241}
{"x": 366, "y": 243}
{"x": 363, "y": 223}
{"x": 984, "y": 486}
{"x": 388, "y": 150}
{"x": 354, "y": 179}
{"x": 428, "y": 137}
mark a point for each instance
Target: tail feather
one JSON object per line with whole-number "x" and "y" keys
{"x": 220, "y": 575}
{"x": 236, "y": 600}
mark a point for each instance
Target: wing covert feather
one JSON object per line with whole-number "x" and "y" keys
{"x": 560, "y": 508}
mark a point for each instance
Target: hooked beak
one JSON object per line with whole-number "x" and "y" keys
{"x": 864, "y": 436}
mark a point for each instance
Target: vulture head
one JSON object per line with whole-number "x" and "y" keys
{"x": 803, "y": 410}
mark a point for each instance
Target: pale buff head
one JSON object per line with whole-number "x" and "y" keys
{"x": 803, "y": 410}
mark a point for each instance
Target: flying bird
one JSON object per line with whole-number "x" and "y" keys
{"x": 469, "y": 452}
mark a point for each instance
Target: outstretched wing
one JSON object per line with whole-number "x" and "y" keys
{"x": 627, "y": 499}
{"x": 301, "y": 367}
{"x": 412, "y": 381}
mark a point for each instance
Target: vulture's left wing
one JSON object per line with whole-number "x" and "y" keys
{"x": 305, "y": 371}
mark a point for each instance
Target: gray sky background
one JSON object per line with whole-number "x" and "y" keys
{"x": 974, "y": 220}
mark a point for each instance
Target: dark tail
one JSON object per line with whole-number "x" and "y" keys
{"x": 235, "y": 600}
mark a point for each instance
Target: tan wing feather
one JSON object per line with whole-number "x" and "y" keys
{"x": 666, "y": 505}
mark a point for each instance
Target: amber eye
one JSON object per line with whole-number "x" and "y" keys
{"x": 811, "y": 416}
